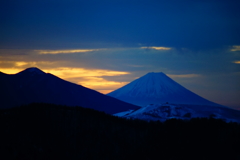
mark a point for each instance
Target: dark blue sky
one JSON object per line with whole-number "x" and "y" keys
{"x": 69, "y": 23}
{"x": 200, "y": 40}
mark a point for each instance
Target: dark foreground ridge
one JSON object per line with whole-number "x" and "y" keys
{"x": 45, "y": 131}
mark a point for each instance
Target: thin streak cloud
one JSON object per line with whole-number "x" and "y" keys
{"x": 235, "y": 48}
{"x": 156, "y": 48}
{"x": 100, "y": 84}
{"x": 65, "y": 51}
{"x": 20, "y": 64}
{"x": 66, "y": 72}
{"x": 184, "y": 75}
{"x": 237, "y": 62}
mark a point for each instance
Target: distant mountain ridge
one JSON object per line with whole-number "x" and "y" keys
{"x": 156, "y": 88}
{"x": 33, "y": 85}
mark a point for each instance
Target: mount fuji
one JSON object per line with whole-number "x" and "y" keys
{"x": 156, "y": 88}
{"x": 33, "y": 85}
{"x": 162, "y": 98}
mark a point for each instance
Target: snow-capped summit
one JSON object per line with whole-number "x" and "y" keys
{"x": 156, "y": 88}
{"x": 152, "y": 85}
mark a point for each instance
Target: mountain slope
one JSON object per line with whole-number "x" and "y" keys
{"x": 155, "y": 88}
{"x": 33, "y": 85}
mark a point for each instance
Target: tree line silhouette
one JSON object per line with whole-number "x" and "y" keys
{"x": 48, "y": 131}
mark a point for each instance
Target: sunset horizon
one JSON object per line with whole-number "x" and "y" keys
{"x": 67, "y": 73}
{"x": 104, "y": 45}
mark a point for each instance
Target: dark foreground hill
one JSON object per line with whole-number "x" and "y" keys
{"x": 34, "y": 85}
{"x": 44, "y": 131}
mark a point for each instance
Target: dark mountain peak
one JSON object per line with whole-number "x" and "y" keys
{"x": 32, "y": 70}
{"x": 1, "y": 73}
{"x": 33, "y": 85}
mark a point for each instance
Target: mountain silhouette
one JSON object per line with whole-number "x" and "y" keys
{"x": 156, "y": 88}
{"x": 33, "y": 85}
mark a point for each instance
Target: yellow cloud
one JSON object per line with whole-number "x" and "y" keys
{"x": 10, "y": 70}
{"x": 12, "y": 67}
{"x": 25, "y": 63}
{"x": 66, "y": 72}
{"x": 156, "y": 48}
{"x": 90, "y": 78}
{"x": 64, "y": 51}
{"x": 105, "y": 91}
{"x": 20, "y": 64}
{"x": 183, "y": 75}
{"x": 237, "y": 62}
{"x": 101, "y": 84}
{"x": 235, "y": 48}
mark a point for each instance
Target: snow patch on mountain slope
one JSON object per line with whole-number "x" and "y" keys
{"x": 121, "y": 114}
{"x": 162, "y": 112}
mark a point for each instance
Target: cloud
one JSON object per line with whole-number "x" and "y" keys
{"x": 67, "y": 72}
{"x": 65, "y": 51}
{"x": 20, "y": 64}
{"x": 156, "y": 48}
{"x": 14, "y": 52}
{"x": 91, "y": 78}
{"x": 184, "y": 75}
{"x": 100, "y": 84}
{"x": 237, "y": 62}
{"x": 10, "y": 70}
{"x": 136, "y": 66}
{"x": 235, "y": 48}
{"x": 12, "y": 67}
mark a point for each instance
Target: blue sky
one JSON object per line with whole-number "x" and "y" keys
{"x": 106, "y": 44}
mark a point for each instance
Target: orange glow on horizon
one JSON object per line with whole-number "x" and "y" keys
{"x": 67, "y": 72}
{"x": 100, "y": 84}
{"x": 10, "y": 70}
{"x": 103, "y": 91}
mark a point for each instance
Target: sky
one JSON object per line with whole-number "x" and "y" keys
{"x": 105, "y": 44}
